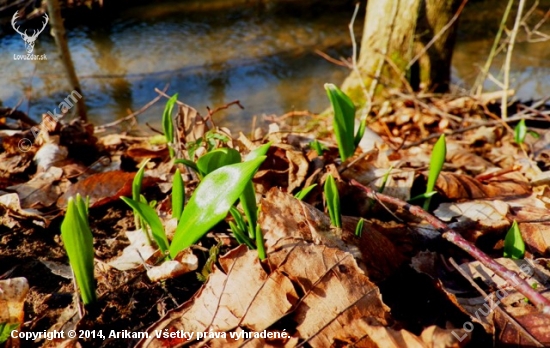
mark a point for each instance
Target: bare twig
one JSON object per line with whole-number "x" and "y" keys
{"x": 539, "y": 301}
{"x": 130, "y": 116}
{"x": 330, "y": 59}
{"x": 478, "y": 85}
{"x": 510, "y": 319}
{"x": 508, "y": 62}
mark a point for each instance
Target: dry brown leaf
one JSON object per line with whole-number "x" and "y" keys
{"x": 240, "y": 294}
{"x": 10, "y": 208}
{"x": 191, "y": 125}
{"x": 337, "y": 296}
{"x": 298, "y": 167}
{"x": 41, "y": 191}
{"x": 103, "y": 188}
{"x": 475, "y": 217}
{"x": 465, "y": 158}
{"x": 456, "y": 187}
{"x": 536, "y": 234}
{"x": 284, "y": 220}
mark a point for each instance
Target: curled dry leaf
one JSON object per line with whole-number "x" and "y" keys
{"x": 185, "y": 262}
{"x": 103, "y": 188}
{"x": 10, "y": 208}
{"x": 285, "y": 220}
{"x": 536, "y": 234}
{"x": 42, "y": 191}
{"x": 135, "y": 254}
{"x": 476, "y": 216}
{"x": 456, "y": 186}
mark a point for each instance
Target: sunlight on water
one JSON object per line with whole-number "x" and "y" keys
{"x": 265, "y": 59}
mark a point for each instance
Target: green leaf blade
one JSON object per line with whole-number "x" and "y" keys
{"x": 216, "y": 159}
{"x": 78, "y": 241}
{"x": 343, "y": 123}
{"x": 514, "y": 246}
{"x": 178, "y": 195}
{"x": 333, "y": 201}
{"x": 150, "y": 216}
{"x": 211, "y": 202}
{"x": 168, "y": 124}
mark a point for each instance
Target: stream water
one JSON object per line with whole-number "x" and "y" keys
{"x": 212, "y": 53}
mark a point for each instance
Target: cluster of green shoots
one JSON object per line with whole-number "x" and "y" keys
{"x": 225, "y": 179}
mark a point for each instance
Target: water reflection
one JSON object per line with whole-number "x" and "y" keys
{"x": 262, "y": 57}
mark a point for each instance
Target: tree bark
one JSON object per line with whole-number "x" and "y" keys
{"x": 58, "y": 32}
{"x": 394, "y": 31}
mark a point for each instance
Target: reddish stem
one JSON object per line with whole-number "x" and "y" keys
{"x": 536, "y": 298}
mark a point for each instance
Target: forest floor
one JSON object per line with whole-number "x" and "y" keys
{"x": 397, "y": 283}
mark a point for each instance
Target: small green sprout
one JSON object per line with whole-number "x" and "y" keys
{"x": 149, "y": 215}
{"x": 168, "y": 123}
{"x": 520, "y": 131}
{"x": 239, "y": 227}
{"x": 300, "y": 195}
{"x": 359, "y": 227}
{"x": 343, "y": 123}
{"x": 260, "y": 243}
{"x": 178, "y": 195}
{"x": 318, "y": 147}
{"x": 78, "y": 241}
{"x": 333, "y": 201}
{"x": 436, "y": 165}
{"x": 5, "y": 331}
{"x": 514, "y": 247}
{"x": 136, "y": 196}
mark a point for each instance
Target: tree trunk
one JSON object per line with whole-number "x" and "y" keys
{"x": 58, "y": 32}
{"x": 394, "y": 31}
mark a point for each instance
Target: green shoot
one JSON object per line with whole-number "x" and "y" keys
{"x": 149, "y": 215}
{"x": 343, "y": 123}
{"x": 318, "y": 147}
{"x": 216, "y": 159}
{"x": 239, "y": 227}
{"x": 359, "y": 227}
{"x": 260, "y": 243}
{"x": 178, "y": 195}
{"x": 333, "y": 201}
{"x": 436, "y": 165}
{"x": 168, "y": 124}
{"x": 211, "y": 201}
{"x": 514, "y": 247}
{"x": 78, "y": 240}
{"x": 520, "y": 131}
{"x": 5, "y": 331}
{"x": 300, "y": 195}
{"x": 385, "y": 180}
{"x": 136, "y": 189}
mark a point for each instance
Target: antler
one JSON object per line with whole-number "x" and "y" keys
{"x": 13, "y": 19}
{"x": 37, "y": 32}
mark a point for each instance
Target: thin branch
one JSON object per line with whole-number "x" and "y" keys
{"x": 508, "y": 62}
{"x": 536, "y": 298}
{"x": 510, "y": 319}
{"x": 478, "y": 85}
{"x": 130, "y": 116}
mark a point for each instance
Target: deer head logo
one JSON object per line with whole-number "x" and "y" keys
{"x": 29, "y": 40}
